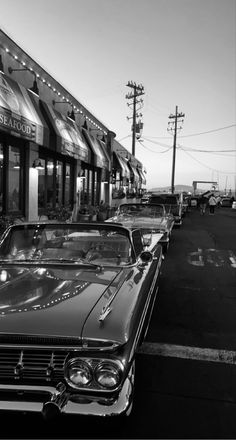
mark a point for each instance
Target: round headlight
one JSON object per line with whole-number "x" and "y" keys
{"x": 107, "y": 375}
{"x": 79, "y": 373}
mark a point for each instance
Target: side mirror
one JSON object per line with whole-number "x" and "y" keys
{"x": 147, "y": 241}
{"x": 146, "y": 256}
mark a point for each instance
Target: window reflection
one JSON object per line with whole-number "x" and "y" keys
{"x": 41, "y": 185}
{"x": 50, "y": 184}
{"x": 68, "y": 185}
{"x": 59, "y": 184}
{"x": 14, "y": 179}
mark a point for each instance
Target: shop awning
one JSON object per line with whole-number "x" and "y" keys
{"x": 134, "y": 172}
{"x": 20, "y": 114}
{"x": 142, "y": 176}
{"x": 103, "y": 145}
{"x": 69, "y": 139}
{"x": 125, "y": 171}
{"x": 99, "y": 158}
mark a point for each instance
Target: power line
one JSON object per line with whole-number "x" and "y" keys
{"x": 205, "y": 151}
{"x": 152, "y": 151}
{"x": 194, "y": 134}
{"x": 204, "y": 165}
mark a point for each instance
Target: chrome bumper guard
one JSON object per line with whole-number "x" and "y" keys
{"x": 52, "y": 401}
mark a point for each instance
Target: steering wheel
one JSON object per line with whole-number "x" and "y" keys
{"x": 96, "y": 251}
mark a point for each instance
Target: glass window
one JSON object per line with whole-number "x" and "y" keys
{"x": 68, "y": 185}
{"x": 41, "y": 185}
{"x": 50, "y": 167}
{"x": 59, "y": 183}
{"x": 14, "y": 179}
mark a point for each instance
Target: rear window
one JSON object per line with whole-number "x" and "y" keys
{"x": 164, "y": 199}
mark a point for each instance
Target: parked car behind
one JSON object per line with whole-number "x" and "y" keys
{"x": 226, "y": 202}
{"x": 151, "y": 219}
{"x": 173, "y": 205}
{"x": 76, "y": 300}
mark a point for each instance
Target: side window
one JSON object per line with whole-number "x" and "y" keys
{"x": 138, "y": 242}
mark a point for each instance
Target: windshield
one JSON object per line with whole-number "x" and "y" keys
{"x": 142, "y": 210}
{"x": 67, "y": 243}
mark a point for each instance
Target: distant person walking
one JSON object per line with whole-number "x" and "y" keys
{"x": 218, "y": 201}
{"x": 212, "y": 204}
{"x": 203, "y": 204}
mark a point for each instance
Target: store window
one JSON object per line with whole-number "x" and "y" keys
{"x": 55, "y": 184}
{"x": 59, "y": 183}
{"x": 68, "y": 192}
{"x": 49, "y": 185}
{"x": 90, "y": 187}
{"x": 14, "y": 167}
{"x": 42, "y": 185}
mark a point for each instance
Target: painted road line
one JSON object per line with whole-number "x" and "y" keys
{"x": 212, "y": 257}
{"x": 186, "y": 352}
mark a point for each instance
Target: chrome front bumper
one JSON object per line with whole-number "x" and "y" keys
{"x": 51, "y": 401}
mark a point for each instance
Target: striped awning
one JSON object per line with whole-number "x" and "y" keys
{"x": 68, "y": 137}
{"x": 125, "y": 171}
{"x": 20, "y": 114}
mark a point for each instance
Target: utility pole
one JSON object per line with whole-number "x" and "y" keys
{"x": 138, "y": 90}
{"x": 176, "y": 127}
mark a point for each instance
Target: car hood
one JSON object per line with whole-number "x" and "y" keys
{"x": 51, "y": 301}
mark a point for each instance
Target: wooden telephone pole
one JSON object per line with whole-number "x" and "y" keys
{"x": 138, "y": 90}
{"x": 176, "y": 127}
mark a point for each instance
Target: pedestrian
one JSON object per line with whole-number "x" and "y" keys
{"x": 203, "y": 204}
{"x": 218, "y": 201}
{"x": 212, "y": 204}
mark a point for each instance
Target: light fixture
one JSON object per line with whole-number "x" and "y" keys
{"x": 103, "y": 139}
{"x": 17, "y": 163}
{"x": 71, "y": 115}
{"x": 85, "y": 125}
{"x": 37, "y": 164}
{"x": 81, "y": 174}
{"x": 34, "y": 89}
{"x": 60, "y": 102}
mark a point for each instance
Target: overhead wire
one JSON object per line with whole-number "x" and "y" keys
{"x": 194, "y": 134}
{"x": 206, "y": 166}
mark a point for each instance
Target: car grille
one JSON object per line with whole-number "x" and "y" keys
{"x": 29, "y": 365}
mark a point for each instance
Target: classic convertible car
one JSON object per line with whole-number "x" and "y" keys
{"x": 149, "y": 218}
{"x": 76, "y": 300}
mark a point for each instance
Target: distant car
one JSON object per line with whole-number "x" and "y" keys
{"x": 173, "y": 205}
{"x": 76, "y": 301}
{"x": 151, "y": 219}
{"x": 226, "y": 202}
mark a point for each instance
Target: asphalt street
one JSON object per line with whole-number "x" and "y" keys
{"x": 186, "y": 368}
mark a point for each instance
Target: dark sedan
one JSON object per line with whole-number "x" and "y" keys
{"x": 76, "y": 300}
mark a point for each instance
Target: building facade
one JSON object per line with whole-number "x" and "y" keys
{"x": 53, "y": 152}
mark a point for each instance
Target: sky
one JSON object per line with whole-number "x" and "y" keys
{"x": 183, "y": 52}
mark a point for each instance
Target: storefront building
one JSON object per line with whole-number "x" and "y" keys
{"x": 53, "y": 152}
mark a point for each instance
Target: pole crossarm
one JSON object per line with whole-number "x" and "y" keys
{"x": 137, "y": 91}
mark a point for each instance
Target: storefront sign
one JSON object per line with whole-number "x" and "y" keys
{"x": 11, "y": 123}
{"x": 18, "y": 112}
